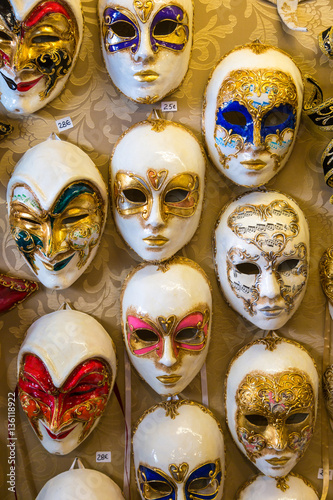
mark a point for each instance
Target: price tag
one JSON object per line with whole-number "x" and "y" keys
{"x": 64, "y": 123}
{"x": 169, "y": 106}
{"x": 103, "y": 456}
{"x": 321, "y": 474}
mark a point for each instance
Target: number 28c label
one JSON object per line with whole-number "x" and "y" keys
{"x": 64, "y": 123}
{"x": 103, "y": 456}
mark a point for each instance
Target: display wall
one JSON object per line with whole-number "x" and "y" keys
{"x": 100, "y": 114}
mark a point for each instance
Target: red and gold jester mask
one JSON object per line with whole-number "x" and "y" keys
{"x": 271, "y": 403}
{"x": 39, "y": 43}
{"x": 57, "y": 204}
{"x": 146, "y": 45}
{"x": 252, "y": 111}
{"x": 166, "y": 321}
{"x": 66, "y": 371}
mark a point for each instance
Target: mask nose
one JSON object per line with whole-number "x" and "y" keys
{"x": 56, "y": 414}
{"x": 144, "y": 54}
{"x": 168, "y": 359}
{"x": 258, "y": 143}
{"x": 155, "y": 219}
{"x": 277, "y": 437}
{"x": 269, "y": 285}
{"x": 20, "y": 58}
{"x": 53, "y": 242}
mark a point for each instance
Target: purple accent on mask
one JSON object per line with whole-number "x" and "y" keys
{"x": 111, "y": 18}
{"x": 169, "y": 13}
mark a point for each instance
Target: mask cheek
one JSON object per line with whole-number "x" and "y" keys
{"x": 279, "y": 144}
{"x": 83, "y": 238}
{"x": 298, "y": 441}
{"x": 253, "y": 443}
{"x": 86, "y": 413}
{"x": 35, "y": 410}
{"x": 227, "y": 143}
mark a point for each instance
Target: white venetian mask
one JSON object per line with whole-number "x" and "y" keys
{"x": 252, "y": 110}
{"x": 80, "y": 484}
{"x": 262, "y": 257}
{"x": 167, "y": 339}
{"x": 178, "y": 450}
{"x": 39, "y": 43}
{"x": 146, "y": 45}
{"x": 57, "y": 205}
{"x": 157, "y": 181}
{"x": 271, "y": 403}
{"x": 291, "y": 487}
{"x": 66, "y": 371}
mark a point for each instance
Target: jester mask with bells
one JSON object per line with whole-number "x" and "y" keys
{"x": 251, "y": 114}
{"x": 262, "y": 257}
{"x": 271, "y": 403}
{"x": 178, "y": 450}
{"x": 39, "y": 43}
{"x": 80, "y": 484}
{"x": 146, "y": 45}
{"x": 157, "y": 181}
{"x": 166, "y": 320}
{"x": 294, "y": 487}
{"x": 57, "y": 205}
{"x": 66, "y": 371}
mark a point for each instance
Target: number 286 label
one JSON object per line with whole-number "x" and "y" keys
{"x": 103, "y": 456}
{"x": 64, "y": 123}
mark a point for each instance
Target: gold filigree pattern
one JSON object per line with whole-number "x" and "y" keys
{"x": 143, "y": 9}
{"x": 328, "y": 390}
{"x": 326, "y": 273}
{"x": 178, "y": 472}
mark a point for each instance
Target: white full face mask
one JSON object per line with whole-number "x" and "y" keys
{"x": 66, "y": 372}
{"x": 251, "y": 114}
{"x": 157, "y": 183}
{"x": 178, "y": 450}
{"x": 80, "y": 484}
{"x": 146, "y": 45}
{"x": 271, "y": 403}
{"x": 268, "y": 488}
{"x": 262, "y": 257}
{"x": 39, "y": 44}
{"x": 167, "y": 339}
{"x": 57, "y": 205}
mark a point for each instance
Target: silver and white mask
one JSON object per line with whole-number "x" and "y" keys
{"x": 262, "y": 257}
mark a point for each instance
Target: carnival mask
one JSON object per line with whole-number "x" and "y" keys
{"x": 39, "y": 43}
{"x": 66, "y": 371}
{"x": 294, "y": 487}
{"x": 271, "y": 402}
{"x": 167, "y": 339}
{"x": 146, "y": 45}
{"x": 57, "y": 204}
{"x": 252, "y": 109}
{"x": 262, "y": 257}
{"x": 178, "y": 450}
{"x": 80, "y": 484}
{"x": 157, "y": 180}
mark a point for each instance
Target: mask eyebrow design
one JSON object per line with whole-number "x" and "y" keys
{"x": 70, "y": 193}
{"x": 45, "y": 9}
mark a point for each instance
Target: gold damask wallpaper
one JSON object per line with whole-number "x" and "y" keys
{"x": 100, "y": 114}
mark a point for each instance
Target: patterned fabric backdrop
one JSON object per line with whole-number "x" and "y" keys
{"x": 100, "y": 114}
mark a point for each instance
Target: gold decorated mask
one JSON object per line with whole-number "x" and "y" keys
{"x": 36, "y": 51}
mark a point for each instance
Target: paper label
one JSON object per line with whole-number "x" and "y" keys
{"x": 64, "y": 123}
{"x": 103, "y": 456}
{"x": 321, "y": 474}
{"x": 169, "y": 106}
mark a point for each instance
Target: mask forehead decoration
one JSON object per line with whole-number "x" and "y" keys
{"x": 39, "y": 43}
{"x": 66, "y": 372}
{"x": 262, "y": 257}
{"x": 81, "y": 483}
{"x": 167, "y": 340}
{"x": 297, "y": 487}
{"x": 252, "y": 109}
{"x": 271, "y": 401}
{"x": 146, "y": 45}
{"x": 157, "y": 181}
{"x": 178, "y": 450}
{"x": 57, "y": 205}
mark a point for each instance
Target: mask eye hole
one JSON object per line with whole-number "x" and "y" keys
{"x": 5, "y": 37}
{"x": 202, "y": 483}
{"x": 165, "y": 27}
{"x": 287, "y": 265}
{"x": 74, "y": 219}
{"x": 275, "y": 118}
{"x": 45, "y": 39}
{"x": 187, "y": 335}
{"x": 176, "y": 195}
{"x": 135, "y": 195}
{"x": 146, "y": 335}
{"x": 296, "y": 418}
{"x": 123, "y": 29}
{"x": 247, "y": 268}
{"x": 157, "y": 489}
{"x": 258, "y": 420}
{"x": 234, "y": 118}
